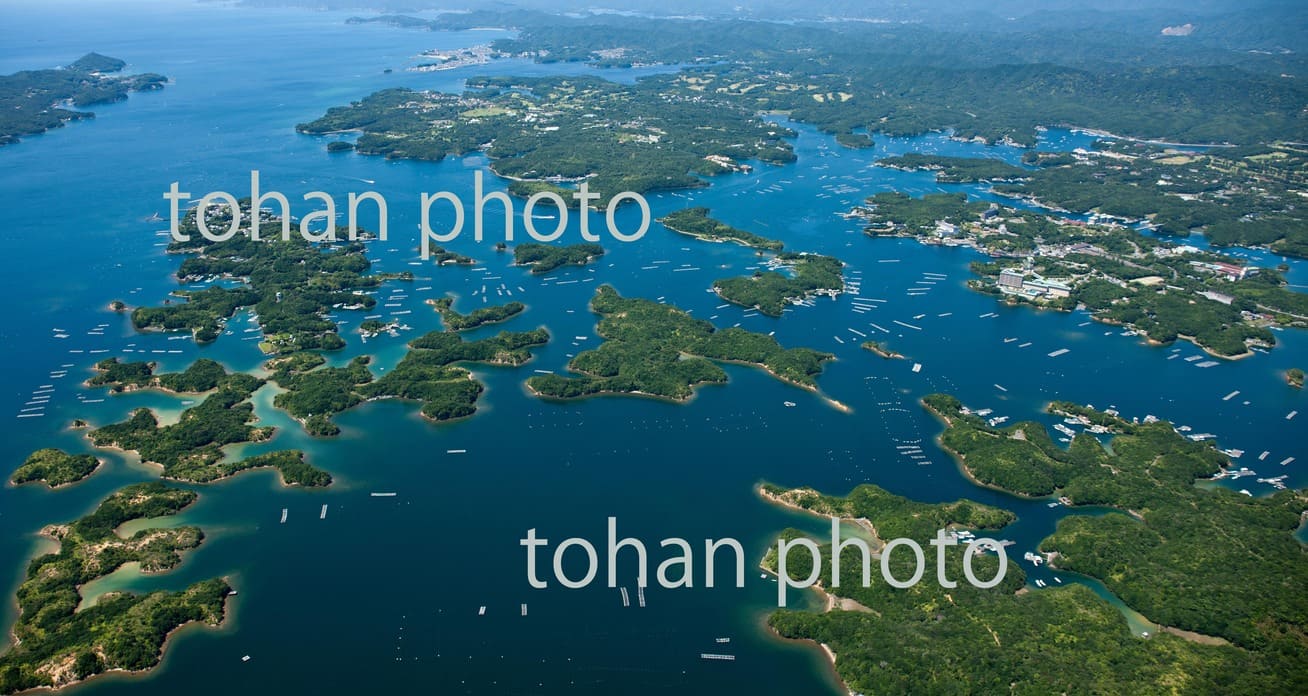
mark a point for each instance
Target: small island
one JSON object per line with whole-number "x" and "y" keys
{"x": 428, "y": 373}
{"x": 203, "y": 375}
{"x": 791, "y": 278}
{"x": 697, "y": 223}
{"x": 454, "y": 321}
{"x": 1294, "y": 377}
{"x": 57, "y": 645}
{"x": 880, "y": 348}
{"x": 658, "y": 350}
{"x": 55, "y": 468}
{"x": 544, "y": 258}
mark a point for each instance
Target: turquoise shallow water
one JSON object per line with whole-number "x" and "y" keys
{"x": 384, "y": 593}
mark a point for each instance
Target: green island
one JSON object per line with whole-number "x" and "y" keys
{"x": 445, "y": 257}
{"x": 544, "y": 258}
{"x": 454, "y": 321}
{"x": 290, "y": 284}
{"x": 551, "y": 130}
{"x": 1163, "y": 290}
{"x": 428, "y": 373}
{"x": 203, "y": 375}
{"x": 659, "y": 350}
{"x": 770, "y": 291}
{"x": 697, "y": 223}
{"x": 882, "y": 349}
{"x": 1213, "y": 568}
{"x": 1294, "y": 376}
{"x": 55, "y": 468}
{"x": 954, "y": 170}
{"x": 191, "y": 448}
{"x": 57, "y": 644}
{"x": 35, "y": 101}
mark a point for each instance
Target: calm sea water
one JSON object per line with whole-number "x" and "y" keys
{"x": 385, "y": 592}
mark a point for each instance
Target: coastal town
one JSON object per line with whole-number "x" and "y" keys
{"x": 1117, "y": 273}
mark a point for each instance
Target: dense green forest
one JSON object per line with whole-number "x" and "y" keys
{"x": 659, "y": 350}
{"x": 32, "y": 101}
{"x": 956, "y": 170}
{"x": 642, "y": 137}
{"x": 697, "y": 223}
{"x": 770, "y": 291}
{"x": 907, "y": 78}
{"x": 201, "y": 376}
{"x": 55, "y": 468}
{"x": 191, "y": 448}
{"x": 1158, "y": 554}
{"x": 59, "y": 644}
{"x": 289, "y": 283}
{"x": 544, "y": 258}
{"x": 454, "y": 321}
{"x": 428, "y": 373}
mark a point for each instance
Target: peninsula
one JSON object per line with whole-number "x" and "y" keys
{"x": 1151, "y": 286}
{"x": 1154, "y": 551}
{"x": 35, "y": 101}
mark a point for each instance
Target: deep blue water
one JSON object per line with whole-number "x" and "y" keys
{"x": 384, "y": 593}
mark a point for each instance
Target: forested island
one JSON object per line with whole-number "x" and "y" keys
{"x": 203, "y": 375}
{"x": 428, "y": 373}
{"x": 880, "y": 348}
{"x": 290, "y": 284}
{"x": 57, "y": 644}
{"x": 454, "y": 321}
{"x": 35, "y": 101}
{"x": 1163, "y": 290}
{"x": 659, "y": 350}
{"x": 790, "y": 278}
{"x": 55, "y": 468}
{"x": 1229, "y": 613}
{"x": 543, "y": 258}
{"x": 697, "y": 223}
{"x": 191, "y": 448}
{"x": 550, "y": 130}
